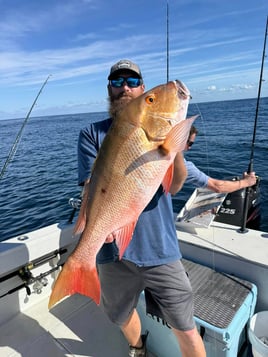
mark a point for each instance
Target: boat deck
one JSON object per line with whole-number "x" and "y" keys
{"x": 77, "y": 327}
{"x": 63, "y": 332}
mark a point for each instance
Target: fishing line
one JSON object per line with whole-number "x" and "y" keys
{"x": 167, "y": 42}
{"x": 213, "y": 258}
{"x": 199, "y": 112}
{"x": 13, "y": 150}
{"x": 205, "y": 137}
{"x": 213, "y": 264}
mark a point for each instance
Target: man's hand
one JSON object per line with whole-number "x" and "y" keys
{"x": 250, "y": 179}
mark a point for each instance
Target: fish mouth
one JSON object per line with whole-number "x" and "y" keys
{"x": 183, "y": 91}
{"x": 184, "y": 96}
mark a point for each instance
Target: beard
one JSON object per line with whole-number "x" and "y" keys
{"x": 117, "y": 103}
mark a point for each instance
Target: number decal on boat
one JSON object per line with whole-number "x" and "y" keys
{"x": 227, "y": 210}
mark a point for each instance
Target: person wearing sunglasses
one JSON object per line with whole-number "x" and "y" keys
{"x": 152, "y": 261}
{"x": 191, "y": 138}
{"x": 198, "y": 178}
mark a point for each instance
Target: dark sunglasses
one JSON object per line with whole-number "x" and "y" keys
{"x": 190, "y": 143}
{"x": 130, "y": 81}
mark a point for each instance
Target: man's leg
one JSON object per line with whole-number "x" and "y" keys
{"x": 191, "y": 343}
{"x": 170, "y": 284}
{"x": 132, "y": 330}
{"x": 120, "y": 308}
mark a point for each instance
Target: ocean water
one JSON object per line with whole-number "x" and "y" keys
{"x": 42, "y": 176}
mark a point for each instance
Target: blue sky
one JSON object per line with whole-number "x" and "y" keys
{"x": 215, "y": 47}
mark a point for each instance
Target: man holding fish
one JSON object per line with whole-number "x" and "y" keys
{"x": 129, "y": 165}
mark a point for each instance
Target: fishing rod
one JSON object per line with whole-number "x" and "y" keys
{"x": 167, "y": 42}
{"x": 18, "y": 137}
{"x": 250, "y": 166}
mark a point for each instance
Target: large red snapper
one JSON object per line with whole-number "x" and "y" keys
{"x": 136, "y": 156}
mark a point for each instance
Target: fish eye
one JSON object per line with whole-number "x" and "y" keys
{"x": 149, "y": 99}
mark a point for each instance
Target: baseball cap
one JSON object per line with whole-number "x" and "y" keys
{"x": 124, "y": 64}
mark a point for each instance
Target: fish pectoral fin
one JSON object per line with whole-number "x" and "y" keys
{"x": 81, "y": 219}
{"x": 75, "y": 278}
{"x": 123, "y": 237}
{"x": 177, "y": 137}
{"x": 166, "y": 183}
{"x": 80, "y": 224}
{"x": 175, "y": 142}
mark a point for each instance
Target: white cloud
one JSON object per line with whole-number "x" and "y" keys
{"x": 212, "y": 88}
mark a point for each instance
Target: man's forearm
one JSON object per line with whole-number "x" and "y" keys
{"x": 179, "y": 174}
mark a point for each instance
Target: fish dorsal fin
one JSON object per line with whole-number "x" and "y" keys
{"x": 177, "y": 137}
{"x": 166, "y": 183}
{"x": 123, "y": 237}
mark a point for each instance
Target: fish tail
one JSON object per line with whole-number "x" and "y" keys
{"x": 76, "y": 278}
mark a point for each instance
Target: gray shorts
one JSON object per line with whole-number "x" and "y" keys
{"x": 168, "y": 286}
